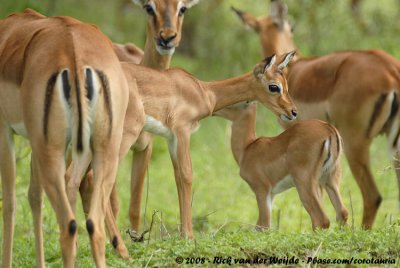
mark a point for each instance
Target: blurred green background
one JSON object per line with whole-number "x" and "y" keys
{"x": 215, "y": 45}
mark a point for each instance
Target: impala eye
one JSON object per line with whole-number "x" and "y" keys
{"x": 182, "y": 11}
{"x": 149, "y": 9}
{"x": 274, "y": 88}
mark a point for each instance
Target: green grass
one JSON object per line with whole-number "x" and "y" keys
{"x": 224, "y": 212}
{"x": 224, "y": 207}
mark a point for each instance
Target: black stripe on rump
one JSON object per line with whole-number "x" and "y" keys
{"x": 375, "y": 113}
{"x": 47, "y": 102}
{"x": 66, "y": 85}
{"x": 89, "y": 84}
{"x": 107, "y": 98}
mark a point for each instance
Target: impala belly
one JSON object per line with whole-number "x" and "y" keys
{"x": 19, "y": 129}
{"x": 156, "y": 127}
{"x": 283, "y": 185}
{"x": 10, "y": 107}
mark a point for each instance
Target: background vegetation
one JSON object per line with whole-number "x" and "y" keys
{"x": 215, "y": 45}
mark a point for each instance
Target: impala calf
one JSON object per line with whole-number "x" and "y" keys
{"x": 61, "y": 84}
{"x": 305, "y": 156}
{"x": 357, "y": 91}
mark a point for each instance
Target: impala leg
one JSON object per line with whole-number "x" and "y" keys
{"x": 85, "y": 190}
{"x": 396, "y": 164}
{"x": 116, "y": 240}
{"x": 140, "y": 163}
{"x": 180, "y": 155}
{"x": 51, "y": 171}
{"x": 358, "y": 158}
{"x": 309, "y": 195}
{"x": 7, "y": 170}
{"x": 105, "y": 171}
{"x": 264, "y": 202}
{"x": 74, "y": 175}
{"x": 332, "y": 188}
{"x": 35, "y": 196}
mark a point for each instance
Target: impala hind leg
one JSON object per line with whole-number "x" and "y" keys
{"x": 35, "y": 196}
{"x": 358, "y": 158}
{"x": 105, "y": 170}
{"x": 74, "y": 175}
{"x": 51, "y": 171}
{"x": 140, "y": 163}
{"x": 7, "y": 170}
{"x": 86, "y": 190}
{"x": 309, "y": 193}
{"x": 332, "y": 188}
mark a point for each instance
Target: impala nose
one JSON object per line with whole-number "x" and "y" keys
{"x": 166, "y": 38}
{"x": 294, "y": 113}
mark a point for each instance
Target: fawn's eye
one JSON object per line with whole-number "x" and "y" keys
{"x": 182, "y": 11}
{"x": 149, "y": 9}
{"x": 274, "y": 88}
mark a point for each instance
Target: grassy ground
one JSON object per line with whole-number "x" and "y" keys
{"x": 224, "y": 213}
{"x": 224, "y": 208}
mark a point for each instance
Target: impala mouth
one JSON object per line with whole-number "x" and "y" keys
{"x": 287, "y": 118}
{"x": 165, "y": 49}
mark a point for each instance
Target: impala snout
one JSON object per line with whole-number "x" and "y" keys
{"x": 166, "y": 42}
{"x": 289, "y": 116}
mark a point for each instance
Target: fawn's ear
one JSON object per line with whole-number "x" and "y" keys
{"x": 139, "y": 2}
{"x": 278, "y": 13}
{"x": 286, "y": 60}
{"x": 190, "y": 3}
{"x": 264, "y": 66}
{"x": 247, "y": 19}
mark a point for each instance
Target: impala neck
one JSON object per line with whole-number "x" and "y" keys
{"x": 230, "y": 91}
{"x": 152, "y": 58}
{"x": 243, "y": 133}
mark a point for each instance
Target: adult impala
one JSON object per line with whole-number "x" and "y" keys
{"x": 60, "y": 84}
{"x": 357, "y": 91}
{"x": 164, "y": 29}
{"x": 175, "y": 101}
{"x": 271, "y": 165}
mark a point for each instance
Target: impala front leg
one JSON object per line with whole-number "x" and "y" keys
{"x": 7, "y": 171}
{"x": 35, "y": 196}
{"x": 180, "y": 155}
{"x": 140, "y": 162}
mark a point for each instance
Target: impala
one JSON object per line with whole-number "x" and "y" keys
{"x": 61, "y": 84}
{"x": 175, "y": 101}
{"x": 164, "y": 28}
{"x": 357, "y": 91}
{"x": 306, "y": 156}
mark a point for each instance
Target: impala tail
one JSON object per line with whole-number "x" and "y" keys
{"x": 331, "y": 151}
{"x": 78, "y": 92}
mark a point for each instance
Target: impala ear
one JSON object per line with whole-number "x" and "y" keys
{"x": 286, "y": 60}
{"x": 264, "y": 66}
{"x": 278, "y": 13}
{"x": 247, "y": 19}
{"x": 139, "y": 2}
{"x": 190, "y": 3}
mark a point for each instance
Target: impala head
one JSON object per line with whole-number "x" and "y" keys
{"x": 165, "y": 18}
{"x": 274, "y": 30}
{"x": 274, "y": 92}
